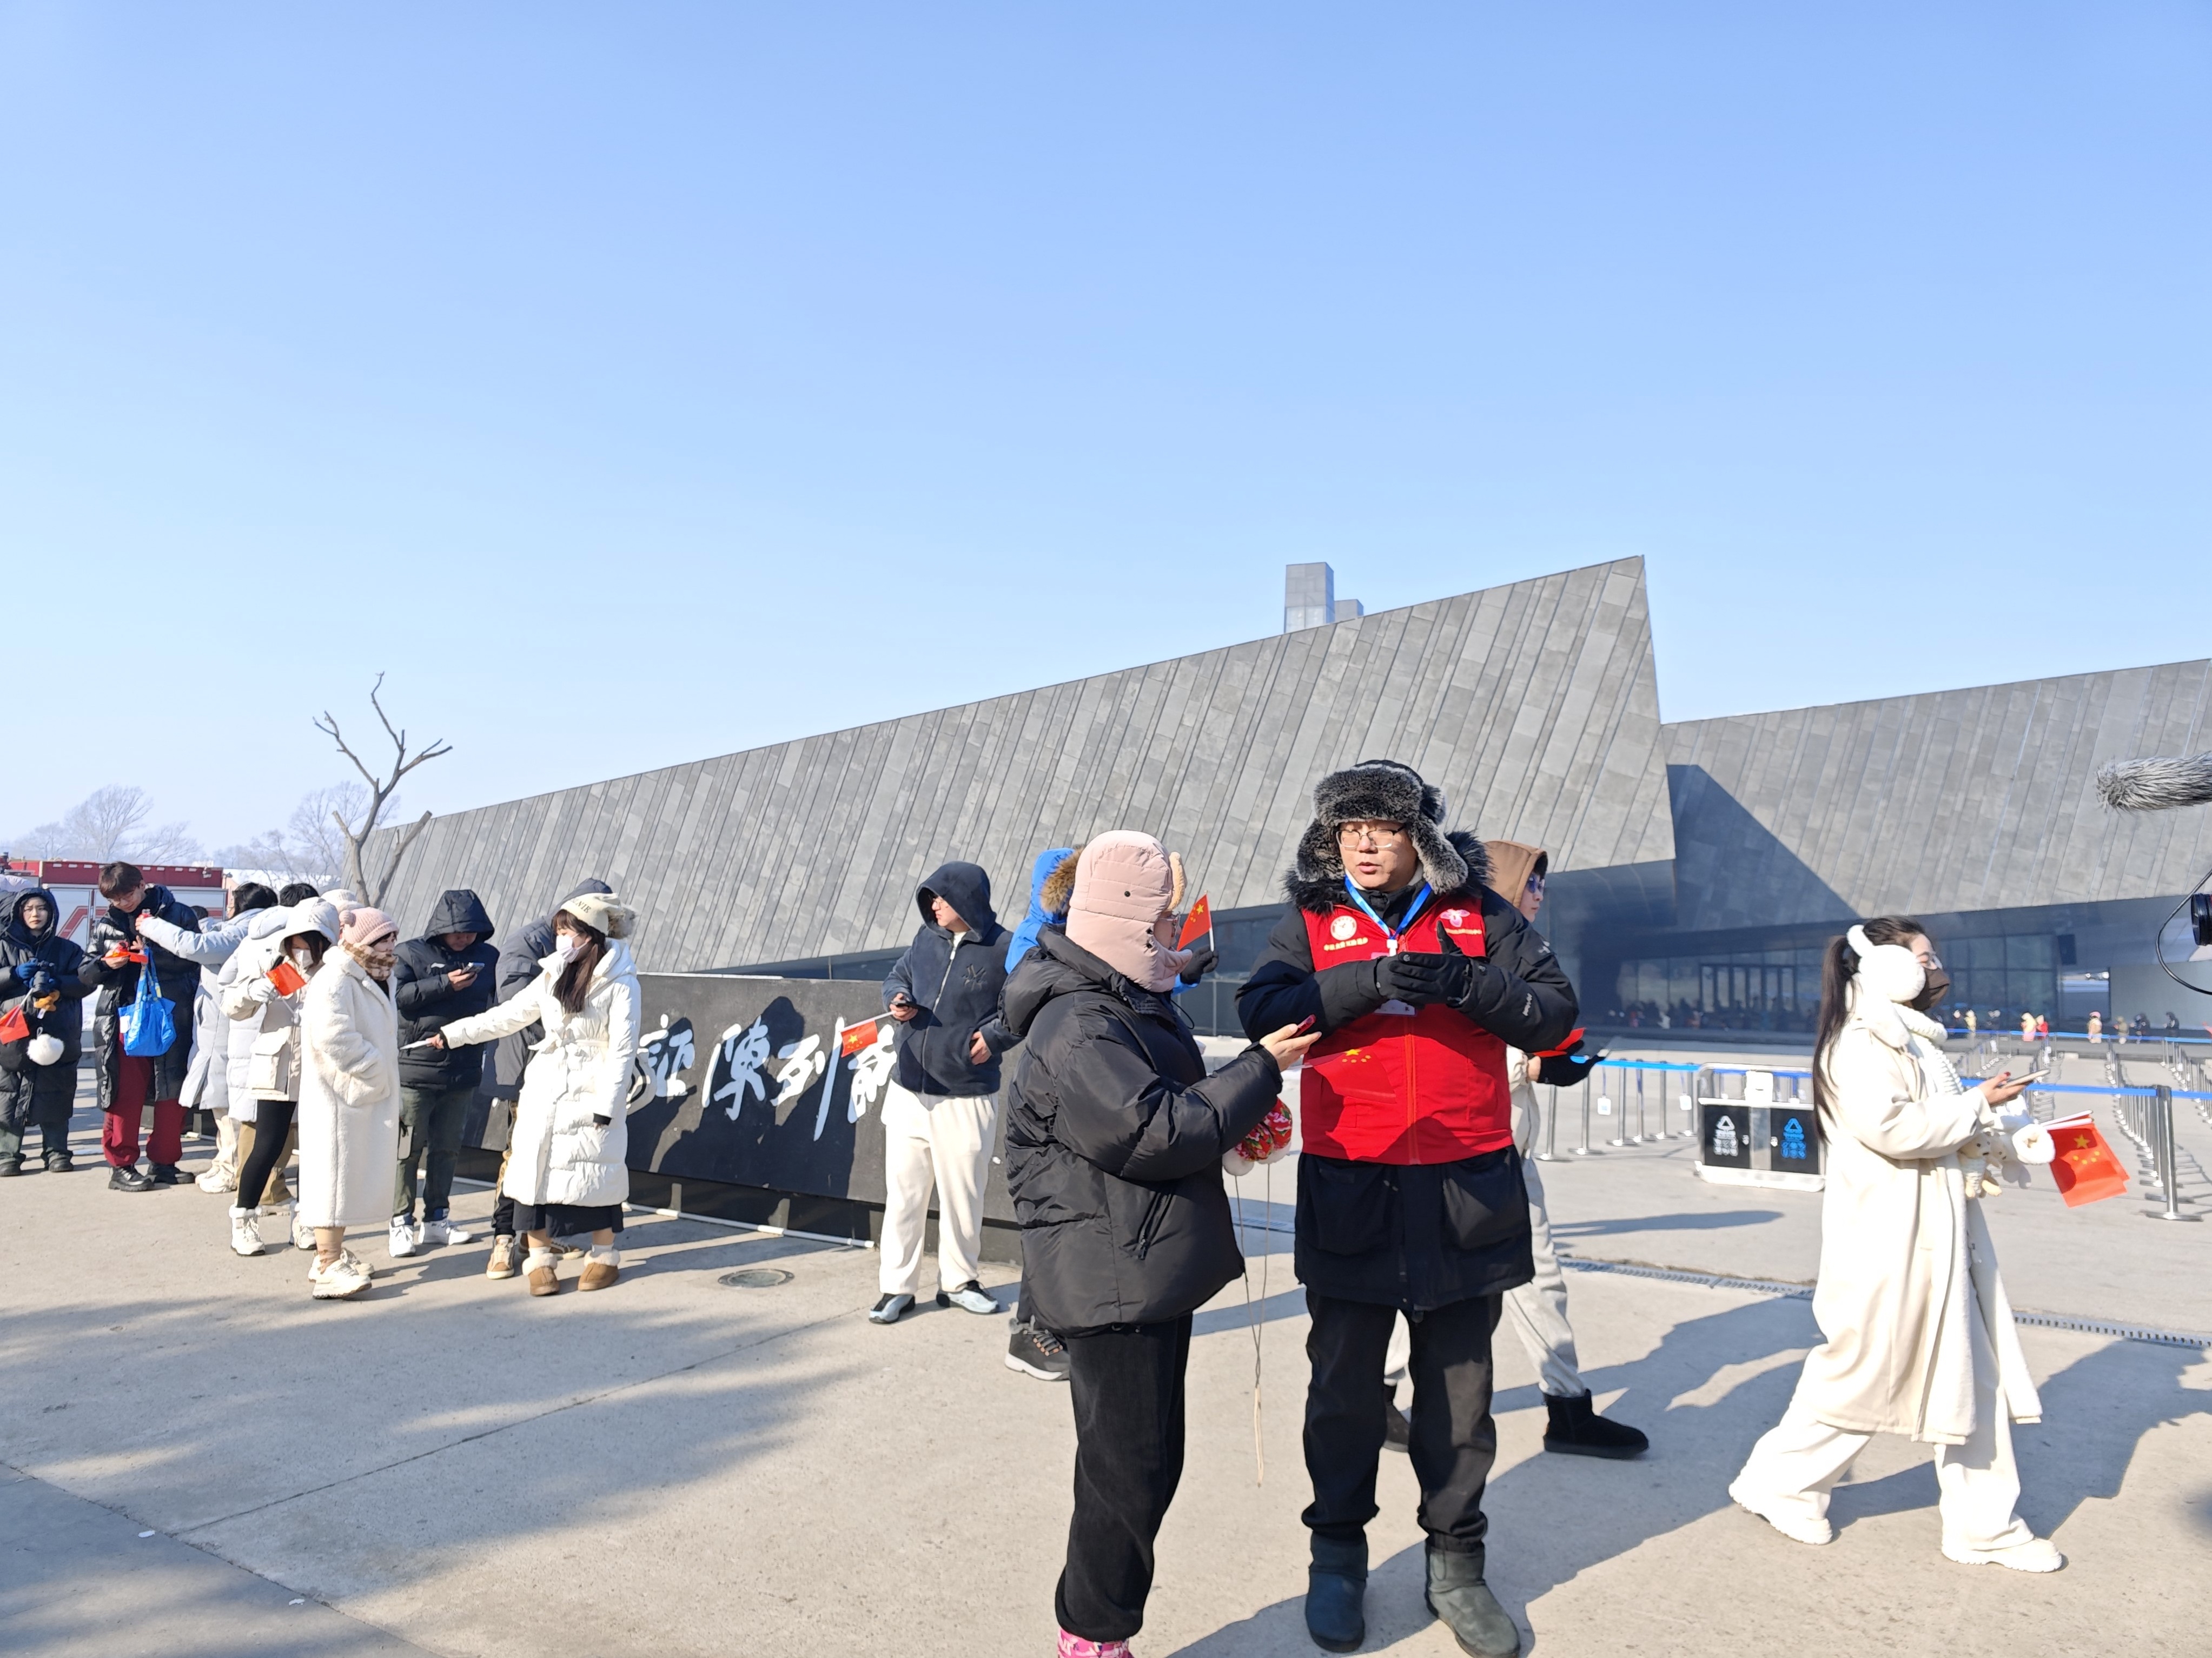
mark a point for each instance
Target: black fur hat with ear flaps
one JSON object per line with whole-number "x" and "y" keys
{"x": 1387, "y": 792}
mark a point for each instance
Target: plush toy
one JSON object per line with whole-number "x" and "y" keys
{"x": 1265, "y": 1143}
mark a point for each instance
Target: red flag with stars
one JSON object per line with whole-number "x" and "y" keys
{"x": 856, "y": 1037}
{"x": 2084, "y": 1167}
{"x": 1197, "y": 924}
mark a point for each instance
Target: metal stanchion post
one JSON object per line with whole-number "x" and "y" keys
{"x": 2168, "y": 1167}
{"x": 1619, "y": 1111}
{"x": 1551, "y": 1152}
{"x": 1583, "y": 1149}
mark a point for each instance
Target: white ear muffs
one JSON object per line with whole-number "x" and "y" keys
{"x": 1889, "y": 971}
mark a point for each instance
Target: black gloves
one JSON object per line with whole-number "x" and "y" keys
{"x": 1566, "y": 1070}
{"x": 1203, "y": 961}
{"x": 1419, "y": 979}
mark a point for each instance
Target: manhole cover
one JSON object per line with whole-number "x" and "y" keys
{"x": 756, "y": 1277}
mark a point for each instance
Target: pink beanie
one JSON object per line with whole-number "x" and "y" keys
{"x": 362, "y": 927}
{"x": 1127, "y": 887}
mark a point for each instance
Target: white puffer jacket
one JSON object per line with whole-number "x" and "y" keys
{"x": 242, "y": 995}
{"x": 348, "y": 1117}
{"x": 560, "y": 1151}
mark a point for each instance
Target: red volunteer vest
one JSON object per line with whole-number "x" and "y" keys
{"x": 1427, "y": 1086}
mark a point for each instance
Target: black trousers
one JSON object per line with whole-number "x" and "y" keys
{"x": 272, "y": 1122}
{"x": 1126, "y": 1384}
{"x": 1455, "y": 1437}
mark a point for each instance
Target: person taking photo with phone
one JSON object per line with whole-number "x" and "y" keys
{"x": 447, "y": 974}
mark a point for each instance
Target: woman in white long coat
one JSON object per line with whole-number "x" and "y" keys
{"x": 567, "y": 1166}
{"x": 1919, "y": 1335}
{"x": 349, "y": 1113}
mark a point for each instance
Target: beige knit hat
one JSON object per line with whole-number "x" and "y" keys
{"x": 602, "y": 912}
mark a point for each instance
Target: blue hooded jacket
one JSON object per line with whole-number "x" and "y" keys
{"x": 1025, "y": 935}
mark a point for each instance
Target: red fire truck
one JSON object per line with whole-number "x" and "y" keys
{"x": 75, "y": 886}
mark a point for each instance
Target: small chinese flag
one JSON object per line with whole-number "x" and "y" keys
{"x": 856, "y": 1037}
{"x": 287, "y": 979}
{"x": 2085, "y": 1168}
{"x": 14, "y": 1027}
{"x": 1197, "y": 923}
{"x": 1564, "y": 1047}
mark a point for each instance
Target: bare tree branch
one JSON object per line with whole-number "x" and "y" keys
{"x": 380, "y": 791}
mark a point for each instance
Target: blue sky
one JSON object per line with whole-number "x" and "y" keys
{"x": 633, "y": 384}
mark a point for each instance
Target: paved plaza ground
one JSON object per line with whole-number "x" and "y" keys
{"x": 680, "y": 1466}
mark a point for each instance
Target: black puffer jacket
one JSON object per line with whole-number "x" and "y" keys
{"x": 1425, "y": 1235}
{"x": 39, "y": 1094}
{"x": 179, "y": 980}
{"x": 1115, "y": 1135}
{"x": 428, "y": 1003}
{"x": 518, "y": 966}
{"x": 957, "y": 988}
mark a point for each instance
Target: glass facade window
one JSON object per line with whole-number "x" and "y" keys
{"x": 2000, "y": 977}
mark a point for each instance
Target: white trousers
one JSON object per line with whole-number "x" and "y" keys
{"x": 1796, "y": 1466}
{"x": 944, "y": 1140}
{"x": 1537, "y": 1310}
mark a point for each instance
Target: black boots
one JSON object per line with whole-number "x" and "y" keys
{"x": 1578, "y": 1431}
{"x": 127, "y": 1179}
{"x": 59, "y": 1163}
{"x": 167, "y": 1174}
{"x": 10, "y": 1166}
{"x": 1336, "y": 1593}
{"x": 1459, "y": 1597}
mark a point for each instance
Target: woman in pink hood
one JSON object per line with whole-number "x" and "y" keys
{"x": 1114, "y": 1136}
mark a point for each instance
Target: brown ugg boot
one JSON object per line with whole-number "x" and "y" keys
{"x": 544, "y": 1276}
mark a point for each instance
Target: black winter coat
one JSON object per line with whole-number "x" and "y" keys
{"x": 958, "y": 989}
{"x": 1115, "y": 1135}
{"x": 179, "y": 980}
{"x": 39, "y": 1095}
{"x": 518, "y": 962}
{"x": 426, "y": 1003}
{"x": 1421, "y": 1235}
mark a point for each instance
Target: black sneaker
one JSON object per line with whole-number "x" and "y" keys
{"x": 127, "y": 1179}
{"x": 59, "y": 1163}
{"x": 167, "y": 1174}
{"x": 9, "y": 1166}
{"x": 1034, "y": 1351}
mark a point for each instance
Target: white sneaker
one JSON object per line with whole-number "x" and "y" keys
{"x": 216, "y": 1178}
{"x": 347, "y": 1275}
{"x": 1796, "y": 1529}
{"x": 405, "y": 1240}
{"x": 2037, "y": 1554}
{"x": 245, "y": 1232}
{"x": 303, "y": 1236}
{"x": 968, "y": 1298}
{"x": 440, "y": 1231}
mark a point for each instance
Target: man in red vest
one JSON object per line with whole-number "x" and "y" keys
{"x": 1410, "y": 1194}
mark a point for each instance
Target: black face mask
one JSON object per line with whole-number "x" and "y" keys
{"x": 1937, "y": 987}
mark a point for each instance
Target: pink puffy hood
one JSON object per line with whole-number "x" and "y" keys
{"x": 1127, "y": 888}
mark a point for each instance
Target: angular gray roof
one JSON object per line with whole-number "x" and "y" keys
{"x": 1956, "y": 800}
{"x": 1533, "y": 705}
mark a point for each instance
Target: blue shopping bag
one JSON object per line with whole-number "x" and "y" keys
{"x": 149, "y": 1027}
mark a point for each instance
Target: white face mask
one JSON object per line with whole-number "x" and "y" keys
{"x": 567, "y": 946}
{"x": 303, "y": 956}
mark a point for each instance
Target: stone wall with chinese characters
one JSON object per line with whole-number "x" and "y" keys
{"x": 747, "y": 1082}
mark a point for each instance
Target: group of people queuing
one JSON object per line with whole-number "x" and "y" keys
{"x": 301, "y": 1020}
{"x": 1408, "y": 978}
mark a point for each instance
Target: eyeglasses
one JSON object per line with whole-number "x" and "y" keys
{"x": 1379, "y": 835}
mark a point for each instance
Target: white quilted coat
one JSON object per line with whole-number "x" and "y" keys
{"x": 581, "y": 1071}
{"x": 349, "y": 1115}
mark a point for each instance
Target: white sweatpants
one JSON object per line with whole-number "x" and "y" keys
{"x": 1537, "y": 1310}
{"x": 944, "y": 1139}
{"x": 1796, "y": 1466}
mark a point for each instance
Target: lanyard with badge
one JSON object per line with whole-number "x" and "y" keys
{"x": 1391, "y": 935}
